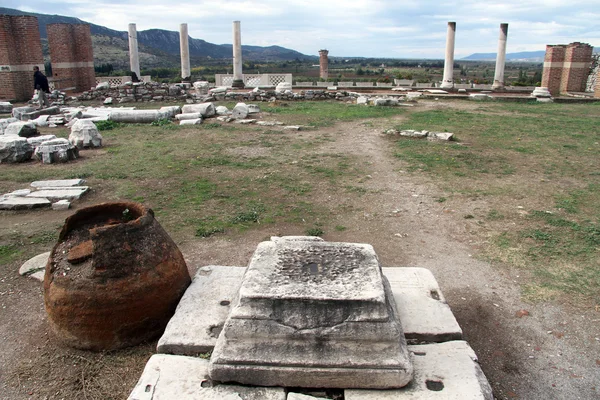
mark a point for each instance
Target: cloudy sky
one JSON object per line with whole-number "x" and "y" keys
{"x": 367, "y": 28}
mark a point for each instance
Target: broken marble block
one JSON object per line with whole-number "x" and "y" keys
{"x": 205, "y": 109}
{"x": 22, "y": 203}
{"x": 5, "y": 107}
{"x": 179, "y": 377}
{"x": 197, "y": 121}
{"x": 253, "y": 108}
{"x": 56, "y": 150}
{"x": 183, "y": 117}
{"x": 283, "y": 86}
{"x": 21, "y": 128}
{"x": 58, "y": 193}
{"x": 311, "y": 313}
{"x": 34, "y": 267}
{"x": 222, "y": 110}
{"x": 14, "y": 149}
{"x": 443, "y": 371}
{"x": 18, "y": 112}
{"x": 37, "y": 140}
{"x": 59, "y": 183}
{"x": 85, "y": 134}
{"x": 5, "y": 122}
{"x": 240, "y": 111}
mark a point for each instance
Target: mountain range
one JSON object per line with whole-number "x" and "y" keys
{"x": 525, "y": 56}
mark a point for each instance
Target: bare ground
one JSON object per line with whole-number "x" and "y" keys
{"x": 553, "y": 353}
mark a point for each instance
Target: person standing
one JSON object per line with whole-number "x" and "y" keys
{"x": 40, "y": 83}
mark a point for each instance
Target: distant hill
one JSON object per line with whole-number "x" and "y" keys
{"x": 531, "y": 56}
{"x": 160, "y": 47}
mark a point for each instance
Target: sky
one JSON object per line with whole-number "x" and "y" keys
{"x": 362, "y": 28}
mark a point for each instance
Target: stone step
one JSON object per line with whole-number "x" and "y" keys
{"x": 22, "y": 203}
{"x": 169, "y": 377}
{"x": 70, "y": 193}
{"x": 441, "y": 371}
{"x": 62, "y": 183}
{"x": 424, "y": 314}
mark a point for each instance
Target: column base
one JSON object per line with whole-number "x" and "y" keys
{"x": 498, "y": 87}
{"x": 238, "y": 83}
{"x": 447, "y": 85}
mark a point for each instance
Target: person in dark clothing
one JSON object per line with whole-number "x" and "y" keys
{"x": 40, "y": 83}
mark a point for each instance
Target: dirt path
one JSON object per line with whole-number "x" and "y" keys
{"x": 554, "y": 353}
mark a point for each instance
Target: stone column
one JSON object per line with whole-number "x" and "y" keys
{"x": 448, "y": 81}
{"x": 185, "y": 52}
{"x": 238, "y": 76}
{"x": 324, "y": 64}
{"x": 134, "y": 60}
{"x": 500, "y": 58}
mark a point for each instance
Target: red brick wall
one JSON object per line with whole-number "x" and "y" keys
{"x": 578, "y": 59}
{"x": 553, "y": 68}
{"x": 324, "y": 64}
{"x": 20, "y": 48}
{"x": 72, "y": 43}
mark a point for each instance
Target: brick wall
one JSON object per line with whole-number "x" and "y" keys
{"x": 324, "y": 64}
{"x": 72, "y": 56}
{"x": 578, "y": 59}
{"x": 597, "y": 89}
{"x": 20, "y": 50}
{"x": 553, "y": 68}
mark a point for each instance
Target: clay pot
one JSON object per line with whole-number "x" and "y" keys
{"x": 113, "y": 279}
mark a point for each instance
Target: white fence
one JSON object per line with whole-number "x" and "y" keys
{"x": 120, "y": 80}
{"x": 254, "y": 80}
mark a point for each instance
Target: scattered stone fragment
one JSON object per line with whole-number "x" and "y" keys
{"x": 22, "y": 203}
{"x": 362, "y": 100}
{"x": 245, "y": 121}
{"x": 462, "y": 91}
{"x": 205, "y": 109}
{"x": 19, "y": 193}
{"x": 253, "y": 109}
{"x": 14, "y": 149}
{"x": 293, "y": 128}
{"x": 21, "y": 128}
{"x": 108, "y": 100}
{"x": 440, "y": 136}
{"x": 61, "y": 205}
{"x": 5, "y": 107}
{"x": 61, "y": 183}
{"x": 56, "y": 120}
{"x": 34, "y": 267}
{"x": 171, "y": 377}
{"x": 5, "y": 122}
{"x": 103, "y": 86}
{"x": 413, "y": 133}
{"x": 479, "y": 96}
{"x": 220, "y": 89}
{"x": 224, "y": 118}
{"x": 182, "y": 117}
{"x": 240, "y": 111}
{"x": 136, "y": 116}
{"x": 196, "y": 121}
{"x": 385, "y": 102}
{"x": 84, "y": 133}
{"x": 170, "y": 111}
{"x": 541, "y": 92}
{"x": 56, "y": 150}
{"x": 413, "y": 95}
{"x": 436, "y": 91}
{"x": 37, "y": 140}
{"x": 74, "y": 114}
{"x": 36, "y": 113}
{"x": 441, "y": 371}
{"x": 283, "y": 87}
{"x": 269, "y": 123}
{"x": 222, "y": 110}
{"x": 71, "y": 193}
{"x": 18, "y": 112}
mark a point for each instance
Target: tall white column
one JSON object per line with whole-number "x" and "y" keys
{"x": 238, "y": 77}
{"x": 448, "y": 81}
{"x": 184, "y": 48}
{"x": 500, "y": 58}
{"x": 134, "y": 60}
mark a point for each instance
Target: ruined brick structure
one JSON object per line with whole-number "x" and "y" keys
{"x": 20, "y": 51}
{"x": 72, "y": 56}
{"x": 566, "y": 67}
{"x": 324, "y": 64}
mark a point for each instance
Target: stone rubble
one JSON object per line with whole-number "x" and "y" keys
{"x": 5, "y": 122}
{"x": 5, "y": 107}
{"x": 446, "y": 136}
{"x": 196, "y": 121}
{"x": 85, "y": 134}
{"x": 56, "y": 150}
{"x": 21, "y": 128}
{"x": 35, "y": 266}
{"x": 240, "y": 111}
{"x": 14, "y": 149}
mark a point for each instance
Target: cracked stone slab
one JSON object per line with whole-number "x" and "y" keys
{"x": 169, "y": 377}
{"x": 424, "y": 312}
{"x": 71, "y": 193}
{"x": 62, "y": 183}
{"x": 23, "y": 203}
{"x": 202, "y": 311}
{"x": 441, "y": 371}
{"x": 35, "y": 266}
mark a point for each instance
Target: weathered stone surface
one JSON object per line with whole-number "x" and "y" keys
{"x": 205, "y": 109}
{"x": 222, "y": 110}
{"x": 136, "y": 116}
{"x": 196, "y": 121}
{"x": 202, "y": 311}
{"x": 442, "y": 371}
{"x": 541, "y": 92}
{"x": 14, "y": 149}
{"x": 217, "y": 90}
{"x": 168, "y": 377}
{"x": 385, "y": 102}
{"x": 18, "y": 112}
{"x": 253, "y": 108}
{"x": 5, "y": 122}
{"x": 479, "y": 96}
{"x": 313, "y": 314}
{"x": 103, "y": 86}
{"x": 171, "y": 111}
{"x": 362, "y": 100}
{"x": 545, "y": 100}
{"x": 56, "y": 150}
{"x": 108, "y": 100}
{"x": 5, "y": 107}
{"x": 84, "y": 133}
{"x": 37, "y": 140}
{"x": 283, "y": 86}
{"x": 440, "y": 135}
{"x": 425, "y": 315}
{"x": 182, "y": 117}
{"x": 293, "y": 128}
{"x": 301, "y": 396}
{"x": 37, "y": 113}
{"x": 34, "y": 267}
{"x": 41, "y": 121}
{"x": 61, "y": 183}
{"x": 21, "y": 128}
{"x": 240, "y": 111}
{"x": 71, "y": 193}
{"x": 61, "y": 205}
{"x": 224, "y": 118}
{"x": 245, "y": 121}
{"x": 22, "y": 203}
{"x": 19, "y": 193}
{"x": 269, "y": 123}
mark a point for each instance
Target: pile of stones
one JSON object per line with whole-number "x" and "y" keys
{"x": 57, "y": 194}
{"x": 130, "y": 92}
{"x": 307, "y": 313}
{"x": 447, "y": 136}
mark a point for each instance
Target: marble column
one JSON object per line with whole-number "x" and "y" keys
{"x": 184, "y": 48}
{"x": 238, "y": 77}
{"x": 448, "y": 81}
{"x": 323, "y": 64}
{"x": 134, "y": 60}
{"x": 500, "y": 58}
